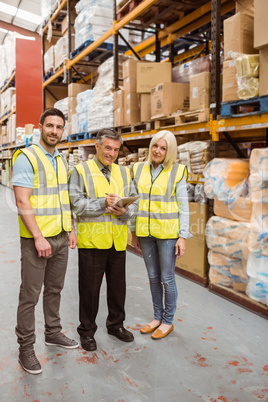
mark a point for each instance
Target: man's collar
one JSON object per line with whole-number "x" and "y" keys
{"x": 56, "y": 152}
{"x": 100, "y": 165}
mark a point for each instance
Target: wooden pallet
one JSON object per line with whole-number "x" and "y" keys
{"x": 193, "y": 277}
{"x": 125, "y": 7}
{"x": 195, "y": 116}
{"x": 132, "y": 128}
{"x": 240, "y": 298}
{"x": 164, "y": 122}
{"x": 251, "y": 106}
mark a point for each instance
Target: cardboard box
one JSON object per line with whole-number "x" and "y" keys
{"x": 198, "y": 217}
{"x": 131, "y": 100}
{"x": 195, "y": 257}
{"x": 260, "y": 24}
{"x": 72, "y": 107}
{"x": 263, "y": 76}
{"x": 132, "y": 116}
{"x": 145, "y": 107}
{"x": 245, "y": 6}
{"x": 74, "y": 89}
{"x": 169, "y": 97}
{"x": 229, "y": 82}
{"x": 200, "y": 91}
{"x": 238, "y": 35}
{"x": 119, "y": 117}
{"x": 119, "y": 99}
{"x": 130, "y": 84}
{"x": 151, "y": 74}
{"x": 130, "y": 67}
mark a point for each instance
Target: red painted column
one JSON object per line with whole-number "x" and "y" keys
{"x": 29, "y": 102}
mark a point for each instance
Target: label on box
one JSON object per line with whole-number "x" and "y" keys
{"x": 195, "y": 92}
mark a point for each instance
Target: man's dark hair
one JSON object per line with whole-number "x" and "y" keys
{"x": 51, "y": 112}
{"x": 108, "y": 133}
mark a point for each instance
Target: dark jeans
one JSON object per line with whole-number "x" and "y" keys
{"x": 36, "y": 271}
{"x": 93, "y": 264}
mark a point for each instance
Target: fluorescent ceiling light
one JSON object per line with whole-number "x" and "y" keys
{"x": 24, "y": 15}
{"x": 3, "y": 30}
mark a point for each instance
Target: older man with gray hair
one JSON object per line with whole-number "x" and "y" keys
{"x": 94, "y": 188}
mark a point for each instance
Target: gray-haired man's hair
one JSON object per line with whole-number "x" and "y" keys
{"x": 108, "y": 133}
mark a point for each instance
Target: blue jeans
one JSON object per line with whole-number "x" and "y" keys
{"x": 159, "y": 256}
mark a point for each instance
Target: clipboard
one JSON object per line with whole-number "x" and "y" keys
{"x": 125, "y": 200}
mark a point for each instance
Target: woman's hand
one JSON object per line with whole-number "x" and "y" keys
{"x": 180, "y": 247}
{"x": 135, "y": 241}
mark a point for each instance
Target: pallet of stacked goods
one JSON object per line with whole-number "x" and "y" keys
{"x": 235, "y": 230}
{"x": 195, "y": 156}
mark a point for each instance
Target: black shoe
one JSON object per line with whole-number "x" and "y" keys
{"x": 122, "y": 334}
{"x": 88, "y": 343}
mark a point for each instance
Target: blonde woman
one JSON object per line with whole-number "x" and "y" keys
{"x": 162, "y": 225}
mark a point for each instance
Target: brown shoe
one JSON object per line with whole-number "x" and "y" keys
{"x": 158, "y": 334}
{"x": 147, "y": 329}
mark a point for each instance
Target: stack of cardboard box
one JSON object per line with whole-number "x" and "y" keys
{"x": 238, "y": 39}
{"x": 261, "y": 41}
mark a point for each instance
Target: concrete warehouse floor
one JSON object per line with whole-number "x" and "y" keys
{"x": 217, "y": 352}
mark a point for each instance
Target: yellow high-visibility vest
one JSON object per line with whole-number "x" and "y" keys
{"x": 105, "y": 230}
{"x": 158, "y": 213}
{"x": 50, "y": 197}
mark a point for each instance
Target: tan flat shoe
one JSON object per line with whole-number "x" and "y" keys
{"x": 147, "y": 329}
{"x": 158, "y": 334}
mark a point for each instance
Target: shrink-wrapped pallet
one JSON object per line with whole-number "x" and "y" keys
{"x": 49, "y": 60}
{"x": 258, "y": 179}
{"x": 61, "y": 51}
{"x": 258, "y": 234}
{"x": 227, "y": 271}
{"x": 257, "y": 290}
{"x": 199, "y": 194}
{"x": 228, "y": 237}
{"x": 190, "y": 191}
{"x": 239, "y": 211}
{"x": 226, "y": 179}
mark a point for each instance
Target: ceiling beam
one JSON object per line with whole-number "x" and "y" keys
{"x": 14, "y": 28}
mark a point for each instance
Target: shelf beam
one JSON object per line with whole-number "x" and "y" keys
{"x": 55, "y": 14}
{"x": 8, "y": 82}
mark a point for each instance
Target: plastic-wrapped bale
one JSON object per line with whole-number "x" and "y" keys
{"x": 82, "y": 110}
{"x": 61, "y": 51}
{"x": 3, "y": 69}
{"x": 227, "y": 271}
{"x": 258, "y": 291}
{"x": 258, "y": 234}
{"x": 199, "y": 194}
{"x": 49, "y": 60}
{"x": 190, "y": 191}
{"x": 100, "y": 109}
{"x": 10, "y": 51}
{"x": 257, "y": 267}
{"x": 226, "y": 179}
{"x": 228, "y": 237}
{"x": 199, "y": 155}
{"x": 238, "y": 211}
{"x": 247, "y": 67}
{"x": 258, "y": 179}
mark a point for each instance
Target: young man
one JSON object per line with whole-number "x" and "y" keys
{"x": 40, "y": 178}
{"x": 94, "y": 187}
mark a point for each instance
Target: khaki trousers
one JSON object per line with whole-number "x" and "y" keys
{"x": 36, "y": 272}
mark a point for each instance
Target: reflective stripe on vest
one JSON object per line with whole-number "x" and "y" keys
{"x": 103, "y": 231}
{"x": 158, "y": 213}
{"x": 50, "y": 198}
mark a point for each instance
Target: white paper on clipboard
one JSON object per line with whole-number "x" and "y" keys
{"x": 126, "y": 200}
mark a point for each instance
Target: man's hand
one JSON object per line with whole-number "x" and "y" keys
{"x": 111, "y": 199}
{"x": 135, "y": 241}
{"x": 43, "y": 247}
{"x": 72, "y": 239}
{"x": 180, "y": 247}
{"x": 117, "y": 211}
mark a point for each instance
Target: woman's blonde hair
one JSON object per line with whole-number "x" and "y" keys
{"x": 171, "y": 154}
